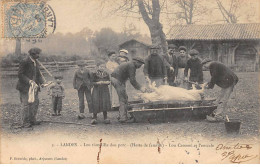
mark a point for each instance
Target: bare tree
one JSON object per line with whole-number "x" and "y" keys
{"x": 153, "y": 22}
{"x": 149, "y": 11}
{"x": 187, "y": 10}
{"x": 229, "y": 15}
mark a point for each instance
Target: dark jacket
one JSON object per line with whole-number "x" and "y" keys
{"x": 196, "y": 73}
{"x": 82, "y": 79}
{"x": 171, "y": 61}
{"x": 126, "y": 71}
{"x": 182, "y": 60}
{"x": 155, "y": 66}
{"x": 27, "y": 71}
{"x": 221, "y": 75}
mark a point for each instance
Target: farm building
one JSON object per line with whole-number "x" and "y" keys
{"x": 236, "y": 45}
{"x": 136, "y": 48}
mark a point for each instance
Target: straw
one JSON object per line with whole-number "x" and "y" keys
{"x": 227, "y": 118}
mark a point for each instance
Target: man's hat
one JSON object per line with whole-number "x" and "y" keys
{"x": 81, "y": 63}
{"x": 206, "y": 60}
{"x": 194, "y": 52}
{"x": 123, "y": 50}
{"x": 111, "y": 52}
{"x": 172, "y": 46}
{"x": 34, "y": 51}
{"x": 182, "y": 48}
{"x": 58, "y": 76}
{"x": 154, "y": 47}
{"x": 139, "y": 59}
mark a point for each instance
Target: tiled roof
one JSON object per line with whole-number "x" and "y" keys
{"x": 216, "y": 32}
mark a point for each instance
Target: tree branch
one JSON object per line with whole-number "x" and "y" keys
{"x": 144, "y": 13}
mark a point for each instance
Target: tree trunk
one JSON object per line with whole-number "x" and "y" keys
{"x": 18, "y": 51}
{"x": 156, "y": 30}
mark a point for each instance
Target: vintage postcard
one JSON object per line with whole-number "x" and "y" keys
{"x": 129, "y": 81}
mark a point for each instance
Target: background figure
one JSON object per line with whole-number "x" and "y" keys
{"x": 57, "y": 92}
{"x": 154, "y": 67}
{"x": 182, "y": 61}
{"x": 226, "y": 79}
{"x": 172, "y": 64}
{"x": 195, "y": 67}
{"x": 29, "y": 75}
{"x": 82, "y": 81}
{"x": 100, "y": 93}
{"x": 111, "y": 65}
{"x": 122, "y": 58}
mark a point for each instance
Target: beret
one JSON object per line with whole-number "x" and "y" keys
{"x": 172, "y": 46}
{"x": 34, "y": 51}
{"x": 194, "y": 52}
{"x": 139, "y": 59}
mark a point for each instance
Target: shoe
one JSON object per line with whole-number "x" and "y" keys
{"x": 81, "y": 117}
{"x": 54, "y": 114}
{"x": 27, "y": 125}
{"x": 216, "y": 118}
{"x": 93, "y": 121}
{"x": 130, "y": 120}
{"x": 122, "y": 120}
{"x": 36, "y": 123}
{"x": 107, "y": 121}
{"x": 59, "y": 114}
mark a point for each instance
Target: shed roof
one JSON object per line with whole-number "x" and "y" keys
{"x": 216, "y": 32}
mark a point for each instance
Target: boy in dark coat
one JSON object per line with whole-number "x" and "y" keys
{"x": 195, "y": 67}
{"x": 29, "y": 74}
{"x": 226, "y": 79}
{"x": 82, "y": 81}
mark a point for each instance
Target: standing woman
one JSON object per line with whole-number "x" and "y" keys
{"x": 100, "y": 93}
{"x": 182, "y": 59}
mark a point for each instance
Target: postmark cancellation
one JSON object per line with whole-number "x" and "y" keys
{"x": 30, "y": 19}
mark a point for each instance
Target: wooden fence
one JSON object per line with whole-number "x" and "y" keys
{"x": 51, "y": 66}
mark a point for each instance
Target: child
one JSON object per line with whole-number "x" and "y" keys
{"x": 57, "y": 92}
{"x": 82, "y": 81}
{"x": 100, "y": 94}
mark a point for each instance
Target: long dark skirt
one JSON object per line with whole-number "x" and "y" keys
{"x": 101, "y": 98}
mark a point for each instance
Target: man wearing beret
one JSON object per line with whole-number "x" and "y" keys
{"x": 29, "y": 76}
{"x": 154, "y": 67}
{"x": 195, "y": 67}
{"x": 119, "y": 77}
{"x": 226, "y": 79}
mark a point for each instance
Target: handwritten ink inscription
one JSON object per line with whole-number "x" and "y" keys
{"x": 237, "y": 153}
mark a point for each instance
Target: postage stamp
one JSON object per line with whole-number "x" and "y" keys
{"x": 27, "y": 20}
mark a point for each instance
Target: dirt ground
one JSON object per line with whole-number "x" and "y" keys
{"x": 47, "y": 139}
{"x": 243, "y": 105}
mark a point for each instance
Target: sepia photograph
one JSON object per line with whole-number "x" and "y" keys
{"x": 129, "y": 81}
